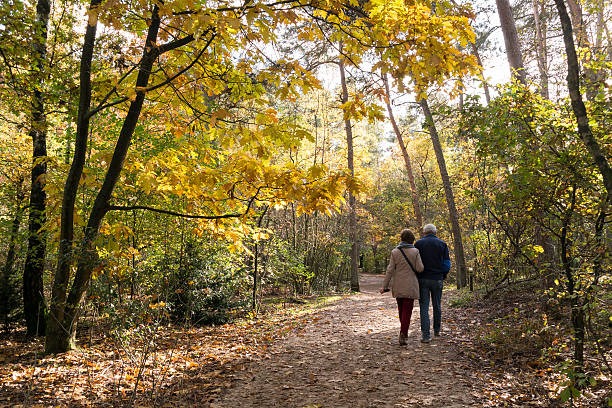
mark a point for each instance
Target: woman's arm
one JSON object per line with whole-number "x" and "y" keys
{"x": 389, "y": 274}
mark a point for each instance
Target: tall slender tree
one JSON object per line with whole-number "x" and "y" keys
{"x": 540, "y": 47}
{"x": 578, "y": 107}
{"x": 353, "y": 236}
{"x": 400, "y": 140}
{"x": 511, "y": 40}
{"x": 578, "y": 306}
{"x": 485, "y": 84}
{"x": 450, "y": 197}
{"x": 33, "y": 295}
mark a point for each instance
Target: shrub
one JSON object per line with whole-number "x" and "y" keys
{"x": 206, "y": 289}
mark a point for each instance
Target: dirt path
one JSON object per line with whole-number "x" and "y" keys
{"x": 349, "y": 356}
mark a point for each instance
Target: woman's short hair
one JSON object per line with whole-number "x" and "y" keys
{"x": 407, "y": 236}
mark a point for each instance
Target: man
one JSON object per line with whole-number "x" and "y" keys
{"x": 436, "y": 260}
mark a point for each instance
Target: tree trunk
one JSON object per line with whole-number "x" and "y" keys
{"x": 64, "y": 311}
{"x": 255, "y": 277}
{"x": 573, "y": 85}
{"x": 351, "y": 198}
{"x": 375, "y": 257}
{"x": 413, "y": 189}
{"x": 511, "y": 40}
{"x": 594, "y": 79}
{"x": 579, "y": 28}
{"x": 450, "y": 198}
{"x": 578, "y": 324}
{"x": 600, "y": 30}
{"x": 58, "y": 338}
{"x": 8, "y": 293}
{"x": 577, "y": 312}
{"x": 541, "y": 237}
{"x": 485, "y": 84}
{"x": 33, "y": 294}
{"x": 540, "y": 46}
{"x": 256, "y": 252}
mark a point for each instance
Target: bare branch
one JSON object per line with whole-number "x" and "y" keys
{"x": 183, "y": 215}
{"x": 175, "y": 213}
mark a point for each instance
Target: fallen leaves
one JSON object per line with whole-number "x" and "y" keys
{"x": 172, "y": 367}
{"x": 334, "y": 353}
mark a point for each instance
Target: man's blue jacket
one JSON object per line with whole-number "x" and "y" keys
{"x": 435, "y": 256}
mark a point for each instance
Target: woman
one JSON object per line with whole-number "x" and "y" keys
{"x": 403, "y": 266}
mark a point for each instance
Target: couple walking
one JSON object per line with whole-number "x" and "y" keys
{"x": 429, "y": 258}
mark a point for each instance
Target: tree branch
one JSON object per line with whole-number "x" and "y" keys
{"x": 175, "y": 213}
{"x": 160, "y": 50}
{"x": 178, "y": 214}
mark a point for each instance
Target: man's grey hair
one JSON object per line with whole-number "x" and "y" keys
{"x": 429, "y": 229}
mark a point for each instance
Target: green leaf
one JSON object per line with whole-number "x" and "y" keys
{"x": 566, "y": 394}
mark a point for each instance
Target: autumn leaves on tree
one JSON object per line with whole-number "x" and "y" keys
{"x": 199, "y": 80}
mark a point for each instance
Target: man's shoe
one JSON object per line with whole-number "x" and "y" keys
{"x": 437, "y": 334}
{"x": 426, "y": 340}
{"x": 402, "y": 339}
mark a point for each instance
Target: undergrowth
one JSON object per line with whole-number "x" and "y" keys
{"x": 518, "y": 329}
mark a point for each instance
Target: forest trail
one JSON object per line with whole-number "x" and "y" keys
{"x": 348, "y": 356}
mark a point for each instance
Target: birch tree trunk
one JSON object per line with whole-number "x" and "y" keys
{"x": 541, "y": 49}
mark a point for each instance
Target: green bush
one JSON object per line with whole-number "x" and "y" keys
{"x": 206, "y": 289}
{"x": 284, "y": 267}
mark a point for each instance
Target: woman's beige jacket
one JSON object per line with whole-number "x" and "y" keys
{"x": 404, "y": 282}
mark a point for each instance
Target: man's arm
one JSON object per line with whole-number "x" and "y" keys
{"x": 446, "y": 262}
